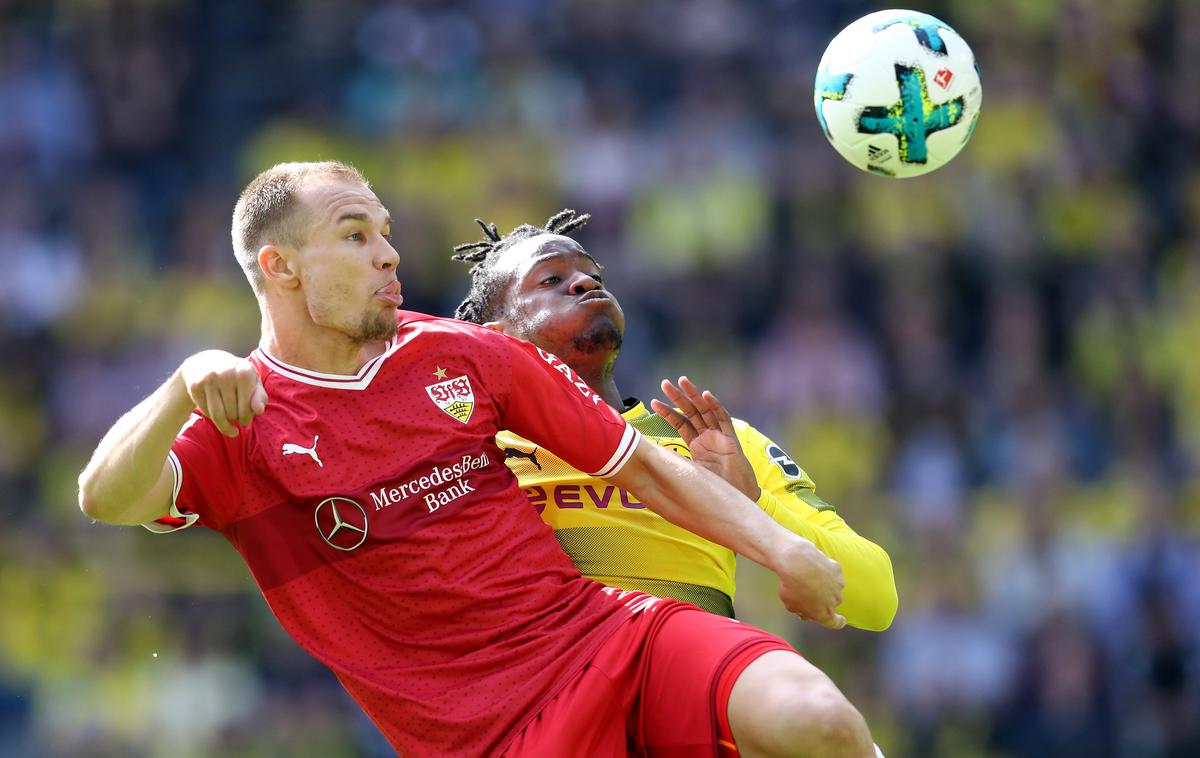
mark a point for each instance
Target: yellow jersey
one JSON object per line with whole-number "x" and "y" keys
{"x": 613, "y": 538}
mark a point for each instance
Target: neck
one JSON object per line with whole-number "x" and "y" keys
{"x": 598, "y": 373}
{"x": 319, "y": 349}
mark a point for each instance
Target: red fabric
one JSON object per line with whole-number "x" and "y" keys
{"x": 451, "y": 619}
{"x": 660, "y": 685}
{"x": 723, "y": 688}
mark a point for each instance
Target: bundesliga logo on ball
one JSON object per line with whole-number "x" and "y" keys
{"x": 898, "y": 93}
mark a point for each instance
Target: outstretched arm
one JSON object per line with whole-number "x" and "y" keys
{"x": 129, "y": 480}
{"x": 869, "y": 599}
{"x": 699, "y": 501}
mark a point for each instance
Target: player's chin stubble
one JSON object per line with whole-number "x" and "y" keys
{"x": 602, "y": 337}
{"x": 375, "y": 327}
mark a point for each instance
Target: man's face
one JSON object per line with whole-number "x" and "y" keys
{"x": 347, "y": 265}
{"x": 554, "y": 297}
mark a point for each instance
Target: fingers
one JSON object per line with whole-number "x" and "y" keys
{"x": 828, "y": 617}
{"x": 689, "y": 414}
{"x": 839, "y": 585}
{"x": 244, "y": 388}
{"x": 681, "y": 401}
{"x": 702, "y": 408}
{"x": 229, "y": 400}
{"x": 700, "y": 405}
{"x": 214, "y": 408}
{"x": 687, "y": 398}
{"x": 813, "y": 591}
{"x": 258, "y": 399}
{"x": 241, "y": 394}
{"x": 724, "y": 420}
{"x": 233, "y": 402}
{"x": 673, "y": 417}
{"x": 225, "y": 388}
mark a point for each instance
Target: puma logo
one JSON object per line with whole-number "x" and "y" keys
{"x": 290, "y": 447}
{"x": 512, "y": 452}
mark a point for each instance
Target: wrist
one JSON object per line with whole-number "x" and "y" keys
{"x": 786, "y": 551}
{"x": 179, "y": 399}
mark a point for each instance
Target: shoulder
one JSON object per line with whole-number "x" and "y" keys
{"x": 767, "y": 457}
{"x": 747, "y": 434}
{"x": 756, "y": 446}
{"x": 411, "y": 324}
{"x": 462, "y": 349}
{"x": 411, "y": 321}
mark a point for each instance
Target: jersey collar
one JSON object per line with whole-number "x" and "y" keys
{"x": 634, "y": 409}
{"x": 357, "y": 381}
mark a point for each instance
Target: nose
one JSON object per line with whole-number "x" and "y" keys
{"x": 583, "y": 284}
{"x": 387, "y": 258}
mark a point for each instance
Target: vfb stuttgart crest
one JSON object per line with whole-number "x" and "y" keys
{"x": 454, "y": 396}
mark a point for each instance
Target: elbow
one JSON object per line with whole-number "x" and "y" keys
{"x": 879, "y": 614}
{"x": 888, "y": 600}
{"x": 878, "y": 617}
{"x": 90, "y": 502}
{"x": 885, "y": 612}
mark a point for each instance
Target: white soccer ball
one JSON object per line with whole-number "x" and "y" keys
{"x": 898, "y": 93}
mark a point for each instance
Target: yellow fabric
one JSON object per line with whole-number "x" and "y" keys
{"x": 614, "y": 538}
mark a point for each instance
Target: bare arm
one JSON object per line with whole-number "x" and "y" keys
{"x": 701, "y": 502}
{"x": 128, "y": 480}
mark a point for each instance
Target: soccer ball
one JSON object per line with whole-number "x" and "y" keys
{"x": 898, "y": 93}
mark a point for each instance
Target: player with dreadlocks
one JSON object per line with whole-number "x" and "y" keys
{"x": 539, "y": 284}
{"x": 479, "y": 305}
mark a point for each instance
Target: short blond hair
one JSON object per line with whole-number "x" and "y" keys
{"x": 267, "y": 211}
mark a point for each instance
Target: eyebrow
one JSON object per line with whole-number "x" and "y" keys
{"x": 563, "y": 254}
{"x": 358, "y": 216}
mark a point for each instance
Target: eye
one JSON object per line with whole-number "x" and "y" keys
{"x": 599, "y": 279}
{"x": 388, "y": 235}
{"x": 554, "y": 279}
{"x": 355, "y": 236}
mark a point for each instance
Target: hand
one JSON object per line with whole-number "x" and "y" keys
{"x": 810, "y": 584}
{"x": 225, "y": 388}
{"x": 706, "y": 427}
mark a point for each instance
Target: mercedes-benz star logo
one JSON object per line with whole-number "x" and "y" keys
{"x": 341, "y": 522}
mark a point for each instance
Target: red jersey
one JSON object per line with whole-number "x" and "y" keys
{"x": 392, "y": 543}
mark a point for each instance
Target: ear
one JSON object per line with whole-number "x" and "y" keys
{"x": 277, "y": 266}
{"x": 496, "y": 326}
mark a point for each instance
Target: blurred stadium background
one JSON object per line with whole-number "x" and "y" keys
{"x": 987, "y": 369}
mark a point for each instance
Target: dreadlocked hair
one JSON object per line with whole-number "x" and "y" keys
{"x": 479, "y": 305}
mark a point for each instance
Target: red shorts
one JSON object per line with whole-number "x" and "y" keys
{"x": 659, "y": 685}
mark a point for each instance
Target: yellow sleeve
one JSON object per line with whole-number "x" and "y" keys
{"x": 789, "y": 496}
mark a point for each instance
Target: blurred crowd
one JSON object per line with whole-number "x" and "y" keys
{"x": 985, "y": 369}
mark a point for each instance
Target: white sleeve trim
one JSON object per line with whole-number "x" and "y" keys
{"x": 188, "y": 518}
{"x": 629, "y": 442}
